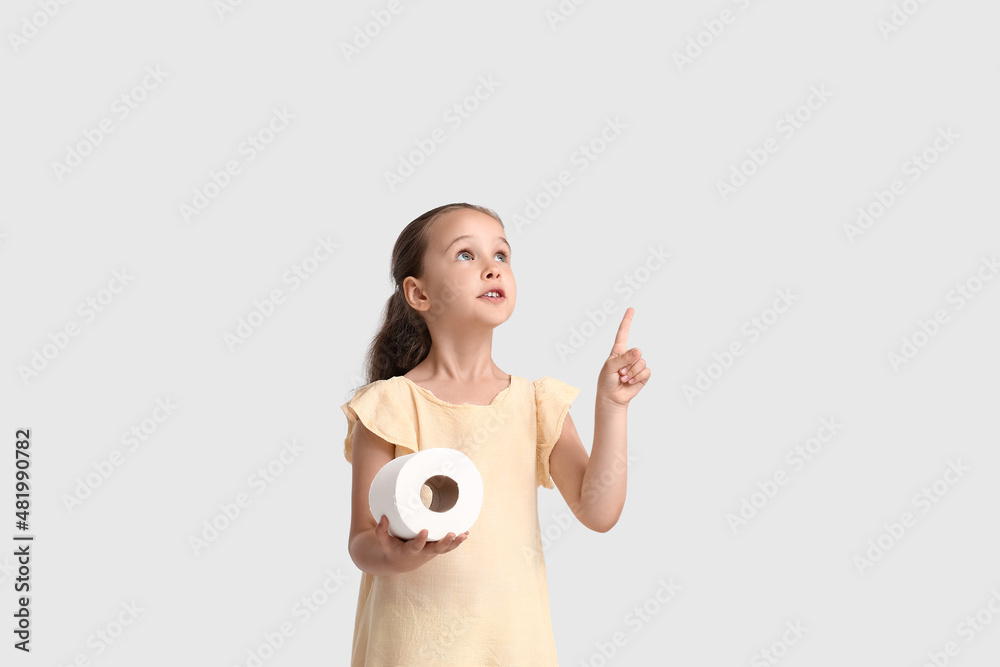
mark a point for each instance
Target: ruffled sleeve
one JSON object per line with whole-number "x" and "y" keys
{"x": 552, "y": 402}
{"x": 386, "y": 408}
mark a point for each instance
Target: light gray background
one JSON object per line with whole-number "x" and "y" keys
{"x": 655, "y": 185}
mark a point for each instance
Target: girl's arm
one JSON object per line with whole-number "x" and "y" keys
{"x": 370, "y": 545}
{"x": 370, "y": 453}
{"x": 594, "y": 484}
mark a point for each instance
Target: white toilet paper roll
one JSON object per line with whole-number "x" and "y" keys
{"x": 455, "y": 494}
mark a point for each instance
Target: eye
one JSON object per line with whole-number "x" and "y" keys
{"x": 505, "y": 256}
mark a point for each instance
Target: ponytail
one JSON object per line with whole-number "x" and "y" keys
{"x": 401, "y": 343}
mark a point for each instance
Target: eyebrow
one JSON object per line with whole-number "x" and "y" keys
{"x": 499, "y": 238}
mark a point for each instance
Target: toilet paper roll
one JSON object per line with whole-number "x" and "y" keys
{"x": 454, "y": 494}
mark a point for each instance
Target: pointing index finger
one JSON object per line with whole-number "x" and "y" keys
{"x": 621, "y": 340}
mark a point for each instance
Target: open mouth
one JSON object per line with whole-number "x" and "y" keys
{"x": 495, "y": 295}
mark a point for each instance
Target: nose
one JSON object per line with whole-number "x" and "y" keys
{"x": 493, "y": 270}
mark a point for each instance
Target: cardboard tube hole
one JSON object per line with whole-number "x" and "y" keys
{"x": 439, "y": 493}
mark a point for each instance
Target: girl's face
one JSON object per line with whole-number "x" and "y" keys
{"x": 466, "y": 257}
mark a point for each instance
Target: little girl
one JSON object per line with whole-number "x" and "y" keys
{"x": 479, "y": 598}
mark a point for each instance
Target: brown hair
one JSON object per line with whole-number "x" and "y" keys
{"x": 403, "y": 340}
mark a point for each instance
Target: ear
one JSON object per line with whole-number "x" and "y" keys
{"x": 414, "y": 294}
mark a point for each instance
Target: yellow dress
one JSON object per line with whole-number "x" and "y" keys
{"x": 487, "y": 601}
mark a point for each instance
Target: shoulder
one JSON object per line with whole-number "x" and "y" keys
{"x": 379, "y": 391}
{"x": 550, "y": 387}
{"x": 387, "y": 410}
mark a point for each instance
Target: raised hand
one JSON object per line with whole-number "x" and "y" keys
{"x": 624, "y": 373}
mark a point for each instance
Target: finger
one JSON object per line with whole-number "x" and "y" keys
{"x": 630, "y": 358}
{"x": 382, "y": 533}
{"x": 621, "y": 339}
{"x": 389, "y": 541}
{"x": 417, "y": 543}
{"x": 642, "y": 377}
{"x": 454, "y": 544}
{"x": 444, "y": 544}
{"x": 634, "y": 371}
